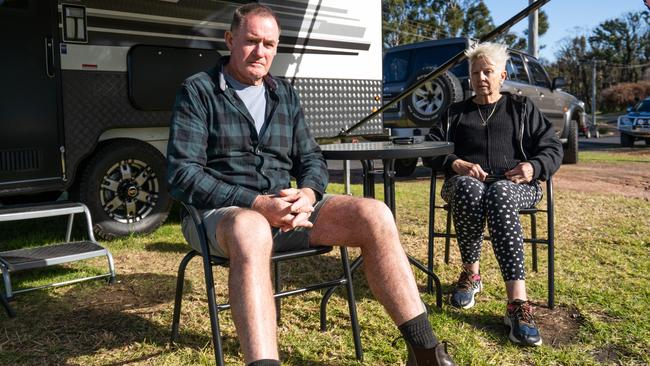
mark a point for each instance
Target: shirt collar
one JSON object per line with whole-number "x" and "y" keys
{"x": 268, "y": 78}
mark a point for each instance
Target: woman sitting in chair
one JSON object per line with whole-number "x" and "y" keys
{"x": 502, "y": 146}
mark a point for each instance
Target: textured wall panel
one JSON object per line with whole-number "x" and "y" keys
{"x": 331, "y": 105}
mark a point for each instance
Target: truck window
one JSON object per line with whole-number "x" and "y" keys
{"x": 438, "y": 55}
{"x": 539, "y": 75}
{"x": 396, "y": 66}
{"x": 516, "y": 70}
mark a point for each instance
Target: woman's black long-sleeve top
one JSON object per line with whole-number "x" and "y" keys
{"x": 536, "y": 140}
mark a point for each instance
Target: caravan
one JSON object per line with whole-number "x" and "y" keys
{"x": 88, "y": 85}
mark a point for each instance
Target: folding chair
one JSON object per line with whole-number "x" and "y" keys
{"x": 276, "y": 259}
{"x": 549, "y": 240}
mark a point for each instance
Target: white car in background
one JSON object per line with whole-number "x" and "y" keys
{"x": 635, "y": 124}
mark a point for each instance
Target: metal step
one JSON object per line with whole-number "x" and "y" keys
{"x": 24, "y": 212}
{"x": 22, "y": 259}
{"x": 52, "y": 254}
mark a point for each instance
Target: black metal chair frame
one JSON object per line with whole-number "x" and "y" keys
{"x": 276, "y": 259}
{"x": 549, "y": 240}
{"x": 5, "y": 304}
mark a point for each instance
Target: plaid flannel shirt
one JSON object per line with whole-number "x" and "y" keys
{"x": 215, "y": 157}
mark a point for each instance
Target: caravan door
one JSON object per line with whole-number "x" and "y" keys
{"x": 29, "y": 133}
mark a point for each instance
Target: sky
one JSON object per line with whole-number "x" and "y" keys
{"x": 567, "y": 18}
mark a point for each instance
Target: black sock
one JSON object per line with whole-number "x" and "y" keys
{"x": 418, "y": 332}
{"x": 265, "y": 362}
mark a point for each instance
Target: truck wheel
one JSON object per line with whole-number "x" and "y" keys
{"x": 425, "y": 105}
{"x": 627, "y": 140}
{"x": 571, "y": 147}
{"x": 405, "y": 167}
{"x": 124, "y": 187}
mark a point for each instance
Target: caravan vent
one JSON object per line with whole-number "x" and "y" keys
{"x": 17, "y": 160}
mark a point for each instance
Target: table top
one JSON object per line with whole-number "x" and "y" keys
{"x": 385, "y": 150}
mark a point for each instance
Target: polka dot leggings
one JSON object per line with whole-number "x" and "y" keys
{"x": 472, "y": 201}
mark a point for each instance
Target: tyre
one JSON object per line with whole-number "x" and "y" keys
{"x": 627, "y": 140}
{"x": 405, "y": 167}
{"x": 124, "y": 187}
{"x": 571, "y": 147}
{"x": 425, "y": 105}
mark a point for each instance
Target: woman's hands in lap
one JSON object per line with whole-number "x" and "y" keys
{"x": 522, "y": 173}
{"x": 462, "y": 167}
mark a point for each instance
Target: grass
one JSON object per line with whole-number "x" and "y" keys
{"x": 620, "y": 157}
{"x": 602, "y": 284}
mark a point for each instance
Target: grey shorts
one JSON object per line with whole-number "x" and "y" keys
{"x": 282, "y": 241}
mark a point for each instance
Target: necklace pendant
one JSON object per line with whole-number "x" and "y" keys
{"x": 485, "y": 120}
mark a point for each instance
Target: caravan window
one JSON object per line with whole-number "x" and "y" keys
{"x": 74, "y": 24}
{"x": 155, "y": 73}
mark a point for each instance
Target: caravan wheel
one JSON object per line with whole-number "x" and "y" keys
{"x": 124, "y": 187}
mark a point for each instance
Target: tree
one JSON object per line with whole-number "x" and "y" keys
{"x": 408, "y": 21}
{"x": 624, "y": 41}
{"x": 478, "y": 20}
{"x": 572, "y": 64}
{"x": 620, "y": 48}
{"x": 521, "y": 43}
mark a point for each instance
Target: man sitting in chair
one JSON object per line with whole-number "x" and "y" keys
{"x": 237, "y": 136}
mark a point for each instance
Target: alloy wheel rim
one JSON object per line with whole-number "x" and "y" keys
{"x": 129, "y": 191}
{"x": 428, "y": 98}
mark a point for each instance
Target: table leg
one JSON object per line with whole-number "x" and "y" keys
{"x": 389, "y": 184}
{"x": 368, "y": 178}
{"x": 432, "y": 220}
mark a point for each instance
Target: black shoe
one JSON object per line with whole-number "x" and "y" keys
{"x": 436, "y": 356}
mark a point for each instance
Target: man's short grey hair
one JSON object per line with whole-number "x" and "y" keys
{"x": 495, "y": 53}
{"x": 251, "y": 9}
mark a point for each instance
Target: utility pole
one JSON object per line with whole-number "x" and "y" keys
{"x": 593, "y": 90}
{"x": 533, "y": 20}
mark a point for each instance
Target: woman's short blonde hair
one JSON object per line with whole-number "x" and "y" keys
{"x": 495, "y": 53}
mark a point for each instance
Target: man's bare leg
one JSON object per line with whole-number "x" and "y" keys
{"x": 246, "y": 236}
{"x": 369, "y": 225}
